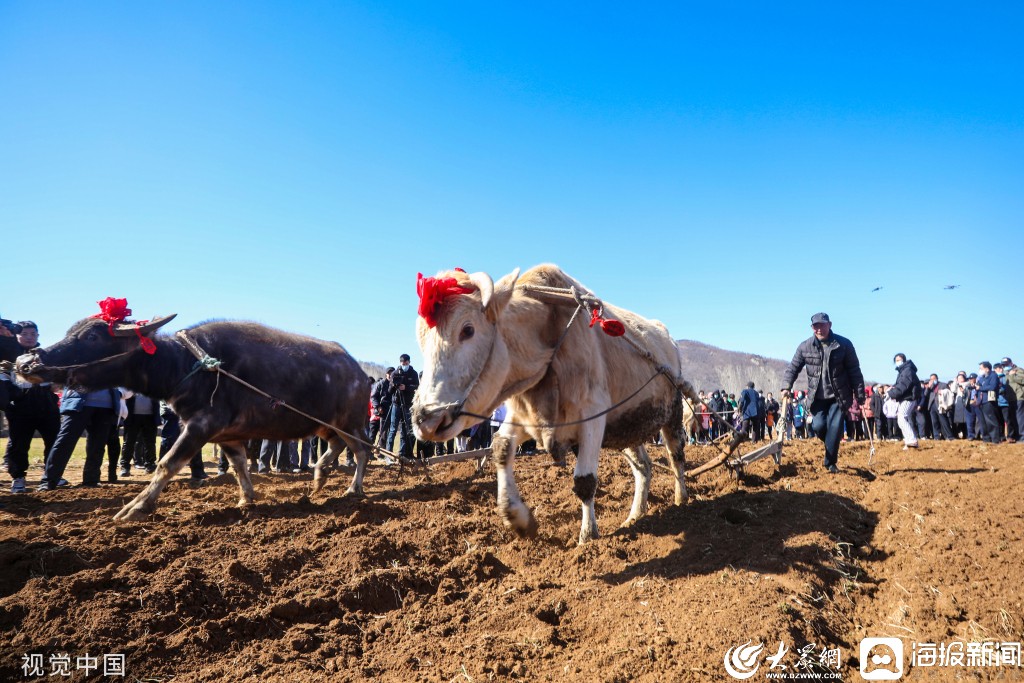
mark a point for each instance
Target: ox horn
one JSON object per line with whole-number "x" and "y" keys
{"x": 485, "y": 284}
{"x": 494, "y": 299}
{"x": 129, "y": 329}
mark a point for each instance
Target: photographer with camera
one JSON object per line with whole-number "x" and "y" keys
{"x": 404, "y": 382}
{"x": 10, "y": 349}
{"x": 9, "y": 352}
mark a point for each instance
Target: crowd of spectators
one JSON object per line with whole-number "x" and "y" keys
{"x": 987, "y": 405}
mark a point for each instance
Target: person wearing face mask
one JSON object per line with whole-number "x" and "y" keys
{"x": 834, "y": 382}
{"x": 988, "y": 390}
{"x": 404, "y": 382}
{"x": 907, "y": 391}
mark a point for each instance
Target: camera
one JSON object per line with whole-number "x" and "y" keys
{"x": 13, "y": 327}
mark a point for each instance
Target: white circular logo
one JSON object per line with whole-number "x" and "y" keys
{"x": 741, "y": 661}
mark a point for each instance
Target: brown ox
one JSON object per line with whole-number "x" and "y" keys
{"x": 497, "y": 342}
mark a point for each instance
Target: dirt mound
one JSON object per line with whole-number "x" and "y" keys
{"x": 420, "y": 580}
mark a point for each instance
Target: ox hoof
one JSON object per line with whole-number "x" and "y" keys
{"x": 630, "y": 521}
{"x": 681, "y": 498}
{"x": 133, "y": 513}
{"x": 318, "y": 484}
{"x": 528, "y": 530}
{"x": 353, "y": 492}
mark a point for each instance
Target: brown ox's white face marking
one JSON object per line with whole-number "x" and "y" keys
{"x": 465, "y": 360}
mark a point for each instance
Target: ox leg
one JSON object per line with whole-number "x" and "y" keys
{"x": 235, "y": 453}
{"x": 334, "y": 448}
{"x": 362, "y": 453}
{"x": 675, "y": 441}
{"x": 641, "y": 464}
{"x": 186, "y": 446}
{"x": 510, "y": 504}
{"x": 584, "y": 483}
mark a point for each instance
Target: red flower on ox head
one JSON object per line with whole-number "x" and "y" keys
{"x": 433, "y": 291}
{"x": 113, "y": 311}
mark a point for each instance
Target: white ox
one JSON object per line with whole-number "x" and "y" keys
{"x": 485, "y": 343}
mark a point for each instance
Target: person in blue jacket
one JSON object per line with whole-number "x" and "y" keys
{"x": 748, "y": 409}
{"x": 95, "y": 411}
{"x": 988, "y": 391}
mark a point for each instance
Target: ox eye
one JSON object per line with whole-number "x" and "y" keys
{"x": 466, "y": 333}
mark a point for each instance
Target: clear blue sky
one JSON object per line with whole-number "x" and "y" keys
{"x": 727, "y": 168}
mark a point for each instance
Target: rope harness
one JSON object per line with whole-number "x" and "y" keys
{"x": 585, "y": 300}
{"x": 210, "y": 364}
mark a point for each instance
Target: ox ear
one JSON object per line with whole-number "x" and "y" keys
{"x": 129, "y": 329}
{"x": 495, "y": 296}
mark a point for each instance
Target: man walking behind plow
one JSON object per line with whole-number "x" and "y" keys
{"x": 834, "y": 382}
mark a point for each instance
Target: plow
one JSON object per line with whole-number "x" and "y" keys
{"x": 726, "y": 458}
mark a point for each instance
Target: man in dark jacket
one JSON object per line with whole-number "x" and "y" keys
{"x": 380, "y": 403}
{"x": 10, "y": 349}
{"x": 32, "y": 407}
{"x": 404, "y": 382}
{"x": 834, "y": 382}
{"x": 940, "y": 423}
{"x": 1015, "y": 380}
{"x": 140, "y": 434}
{"x": 907, "y": 391}
{"x": 988, "y": 392}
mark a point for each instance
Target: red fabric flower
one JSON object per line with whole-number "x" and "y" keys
{"x": 113, "y": 311}
{"x": 613, "y": 328}
{"x": 433, "y": 291}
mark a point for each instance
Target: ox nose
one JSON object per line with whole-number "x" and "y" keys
{"x": 27, "y": 361}
{"x": 429, "y": 420}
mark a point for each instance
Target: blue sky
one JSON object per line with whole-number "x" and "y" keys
{"x": 727, "y": 168}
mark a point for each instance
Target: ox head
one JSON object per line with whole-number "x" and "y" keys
{"x": 88, "y": 341}
{"x": 465, "y": 358}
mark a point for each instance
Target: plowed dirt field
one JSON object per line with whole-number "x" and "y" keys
{"x": 419, "y": 580}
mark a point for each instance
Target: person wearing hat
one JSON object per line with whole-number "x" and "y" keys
{"x": 1015, "y": 380}
{"x": 834, "y": 382}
